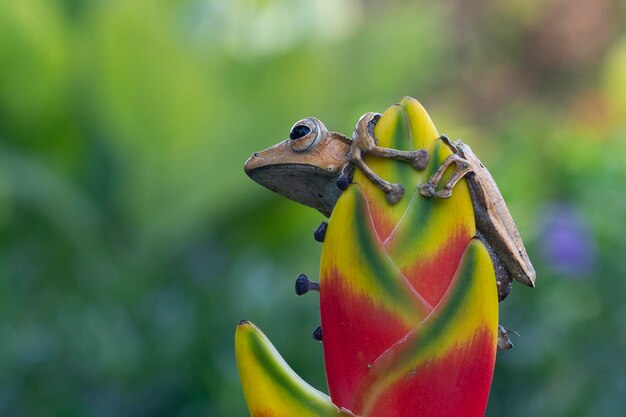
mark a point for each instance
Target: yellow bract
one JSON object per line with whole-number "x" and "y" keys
{"x": 270, "y": 386}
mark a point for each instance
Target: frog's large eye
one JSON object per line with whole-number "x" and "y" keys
{"x": 298, "y": 131}
{"x": 304, "y": 135}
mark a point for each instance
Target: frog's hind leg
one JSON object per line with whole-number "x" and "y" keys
{"x": 462, "y": 168}
{"x": 503, "y": 278}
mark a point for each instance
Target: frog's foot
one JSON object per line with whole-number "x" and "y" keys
{"x": 395, "y": 195}
{"x": 320, "y": 233}
{"x": 304, "y": 285}
{"x": 462, "y": 168}
{"x": 504, "y": 342}
{"x": 420, "y": 162}
{"x": 317, "y": 334}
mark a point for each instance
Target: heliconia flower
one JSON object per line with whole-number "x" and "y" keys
{"x": 408, "y": 299}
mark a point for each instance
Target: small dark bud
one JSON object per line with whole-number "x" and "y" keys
{"x": 317, "y": 333}
{"x": 320, "y": 233}
{"x": 302, "y": 284}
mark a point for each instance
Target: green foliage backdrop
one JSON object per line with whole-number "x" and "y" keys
{"x": 131, "y": 241}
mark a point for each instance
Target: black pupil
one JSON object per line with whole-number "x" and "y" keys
{"x": 299, "y": 131}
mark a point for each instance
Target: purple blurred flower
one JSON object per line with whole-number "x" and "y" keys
{"x": 567, "y": 245}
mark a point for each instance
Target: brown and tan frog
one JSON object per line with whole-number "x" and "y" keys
{"x": 315, "y": 165}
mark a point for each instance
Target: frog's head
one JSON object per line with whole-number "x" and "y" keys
{"x": 305, "y": 167}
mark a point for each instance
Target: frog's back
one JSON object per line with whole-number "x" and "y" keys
{"x": 494, "y": 220}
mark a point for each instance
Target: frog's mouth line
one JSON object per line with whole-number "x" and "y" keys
{"x": 289, "y": 170}
{"x": 305, "y": 184}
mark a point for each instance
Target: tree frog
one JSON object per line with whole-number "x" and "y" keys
{"x": 314, "y": 166}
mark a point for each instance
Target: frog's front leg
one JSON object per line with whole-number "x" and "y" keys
{"x": 393, "y": 191}
{"x": 462, "y": 168}
{"x": 364, "y": 142}
{"x": 419, "y": 158}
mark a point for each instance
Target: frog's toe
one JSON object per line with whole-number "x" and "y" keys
{"x": 427, "y": 190}
{"x": 395, "y": 194}
{"x": 420, "y": 161}
{"x": 444, "y": 193}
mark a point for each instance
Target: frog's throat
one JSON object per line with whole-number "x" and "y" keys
{"x": 304, "y": 184}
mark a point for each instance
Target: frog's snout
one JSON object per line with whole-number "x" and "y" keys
{"x": 252, "y": 162}
{"x": 254, "y": 156}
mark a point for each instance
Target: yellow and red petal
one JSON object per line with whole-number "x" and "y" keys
{"x": 431, "y": 237}
{"x": 366, "y": 303}
{"x": 271, "y": 388}
{"x": 445, "y": 366}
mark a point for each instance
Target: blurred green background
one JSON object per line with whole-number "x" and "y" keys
{"x": 132, "y": 242}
